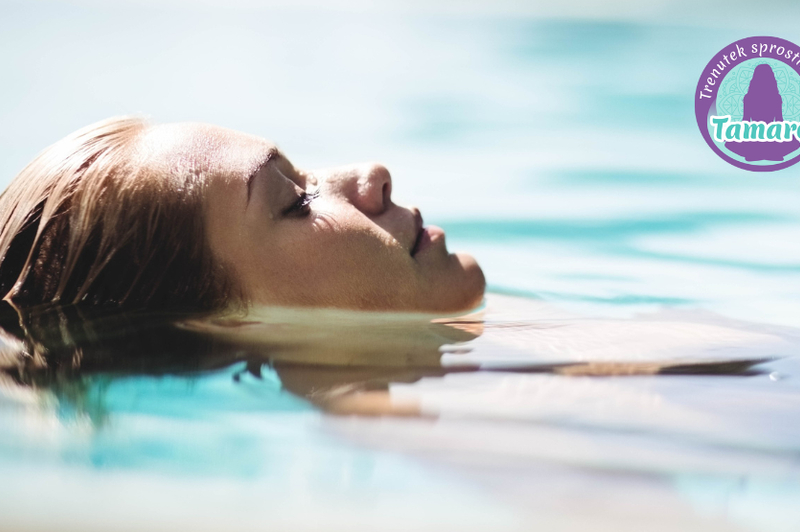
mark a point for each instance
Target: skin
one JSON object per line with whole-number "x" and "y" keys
{"x": 349, "y": 248}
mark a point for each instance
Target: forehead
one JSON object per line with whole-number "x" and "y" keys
{"x": 215, "y": 152}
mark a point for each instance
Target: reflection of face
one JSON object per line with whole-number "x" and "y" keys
{"x": 349, "y": 246}
{"x": 346, "y": 361}
{"x": 344, "y": 338}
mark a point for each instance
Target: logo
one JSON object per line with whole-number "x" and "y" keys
{"x": 748, "y": 104}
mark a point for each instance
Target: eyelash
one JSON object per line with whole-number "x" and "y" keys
{"x": 301, "y": 206}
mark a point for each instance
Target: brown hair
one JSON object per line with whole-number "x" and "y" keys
{"x": 86, "y": 223}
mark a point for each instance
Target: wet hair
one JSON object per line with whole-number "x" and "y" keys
{"x": 88, "y": 222}
{"x": 49, "y": 345}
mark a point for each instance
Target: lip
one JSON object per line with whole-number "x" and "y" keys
{"x": 425, "y": 238}
{"x": 418, "y": 227}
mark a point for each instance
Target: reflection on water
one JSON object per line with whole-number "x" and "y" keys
{"x": 669, "y": 396}
{"x": 345, "y": 362}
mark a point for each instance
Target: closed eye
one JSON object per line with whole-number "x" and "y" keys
{"x": 302, "y": 206}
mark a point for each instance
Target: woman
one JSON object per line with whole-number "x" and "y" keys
{"x": 196, "y": 217}
{"x": 199, "y": 218}
{"x": 763, "y": 103}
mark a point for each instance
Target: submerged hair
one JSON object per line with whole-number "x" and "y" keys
{"x": 86, "y": 222}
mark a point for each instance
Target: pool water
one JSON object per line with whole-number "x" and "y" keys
{"x": 514, "y": 415}
{"x": 634, "y": 366}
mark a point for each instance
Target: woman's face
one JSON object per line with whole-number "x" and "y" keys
{"x": 324, "y": 238}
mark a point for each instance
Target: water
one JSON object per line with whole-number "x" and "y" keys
{"x": 521, "y": 134}
{"x": 505, "y": 404}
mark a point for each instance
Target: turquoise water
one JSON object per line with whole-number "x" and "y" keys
{"x": 562, "y": 151}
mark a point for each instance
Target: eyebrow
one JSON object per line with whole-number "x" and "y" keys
{"x": 272, "y": 153}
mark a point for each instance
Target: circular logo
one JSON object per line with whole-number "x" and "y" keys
{"x": 748, "y": 104}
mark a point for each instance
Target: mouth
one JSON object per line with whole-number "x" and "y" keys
{"x": 417, "y": 242}
{"x": 419, "y": 231}
{"x": 425, "y": 235}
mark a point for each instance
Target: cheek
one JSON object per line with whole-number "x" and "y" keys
{"x": 342, "y": 263}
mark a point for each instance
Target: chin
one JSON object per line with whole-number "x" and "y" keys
{"x": 476, "y": 279}
{"x": 470, "y": 285}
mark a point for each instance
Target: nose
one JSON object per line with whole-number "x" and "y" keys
{"x": 367, "y": 186}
